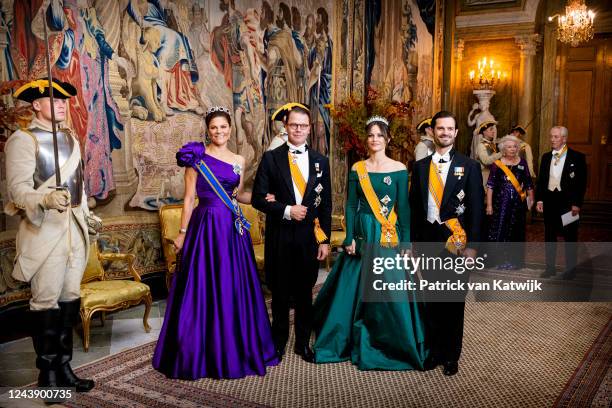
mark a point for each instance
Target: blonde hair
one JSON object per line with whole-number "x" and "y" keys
{"x": 508, "y": 138}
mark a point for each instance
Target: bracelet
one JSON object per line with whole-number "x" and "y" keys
{"x": 183, "y": 230}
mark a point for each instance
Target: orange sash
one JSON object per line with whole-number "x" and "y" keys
{"x": 458, "y": 239}
{"x": 298, "y": 179}
{"x": 512, "y": 179}
{"x": 388, "y": 233}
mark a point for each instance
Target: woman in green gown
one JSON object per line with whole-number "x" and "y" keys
{"x": 383, "y": 331}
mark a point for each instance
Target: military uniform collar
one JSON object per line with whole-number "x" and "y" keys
{"x": 38, "y": 124}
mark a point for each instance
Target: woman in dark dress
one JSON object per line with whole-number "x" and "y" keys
{"x": 386, "y": 331}
{"x": 216, "y": 322}
{"x": 509, "y": 196}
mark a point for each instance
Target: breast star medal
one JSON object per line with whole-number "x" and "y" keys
{"x": 460, "y": 209}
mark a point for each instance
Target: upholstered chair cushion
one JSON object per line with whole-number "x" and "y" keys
{"x": 111, "y": 293}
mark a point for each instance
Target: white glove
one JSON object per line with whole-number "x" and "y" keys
{"x": 56, "y": 200}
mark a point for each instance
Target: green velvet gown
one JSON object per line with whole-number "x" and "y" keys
{"x": 387, "y": 335}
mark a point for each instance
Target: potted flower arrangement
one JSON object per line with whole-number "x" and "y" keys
{"x": 350, "y": 118}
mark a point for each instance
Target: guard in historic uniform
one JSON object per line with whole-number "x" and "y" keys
{"x": 52, "y": 241}
{"x": 487, "y": 151}
{"x": 426, "y": 146}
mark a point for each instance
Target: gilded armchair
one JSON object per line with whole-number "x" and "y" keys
{"x": 338, "y": 235}
{"x": 170, "y": 223}
{"x": 100, "y": 294}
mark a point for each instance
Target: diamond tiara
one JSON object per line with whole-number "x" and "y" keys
{"x": 214, "y": 109}
{"x": 377, "y": 119}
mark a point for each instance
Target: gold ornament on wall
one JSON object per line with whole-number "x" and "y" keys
{"x": 576, "y": 26}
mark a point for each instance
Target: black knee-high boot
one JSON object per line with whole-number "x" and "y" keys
{"x": 45, "y": 333}
{"x": 65, "y": 376}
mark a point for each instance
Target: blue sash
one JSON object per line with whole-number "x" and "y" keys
{"x": 240, "y": 222}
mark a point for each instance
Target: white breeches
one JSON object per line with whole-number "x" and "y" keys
{"x": 59, "y": 279}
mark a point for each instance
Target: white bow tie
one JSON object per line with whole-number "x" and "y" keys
{"x": 297, "y": 150}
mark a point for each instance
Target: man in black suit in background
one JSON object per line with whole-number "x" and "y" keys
{"x": 449, "y": 206}
{"x": 560, "y": 189}
{"x": 298, "y": 224}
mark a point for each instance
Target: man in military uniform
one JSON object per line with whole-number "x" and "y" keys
{"x": 486, "y": 152}
{"x": 52, "y": 240}
{"x": 426, "y": 146}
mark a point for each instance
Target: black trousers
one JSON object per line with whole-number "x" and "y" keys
{"x": 555, "y": 205}
{"x": 444, "y": 312}
{"x": 294, "y": 276}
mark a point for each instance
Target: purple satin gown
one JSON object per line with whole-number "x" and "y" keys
{"x": 216, "y": 322}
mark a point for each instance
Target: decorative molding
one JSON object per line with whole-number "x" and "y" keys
{"x": 479, "y": 6}
{"x": 528, "y": 44}
{"x": 499, "y": 32}
{"x": 459, "y": 47}
{"x": 526, "y": 15}
{"x": 603, "y": 22}
{"x": 548, "y": 100}
{"x": 438, "y": 56}
{"x": 341, "y": 88}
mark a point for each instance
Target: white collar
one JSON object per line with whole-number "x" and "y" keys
{"x": 37, "y": 123}
{"x": 301, "y": 148}
{"x": 436, "y": 157}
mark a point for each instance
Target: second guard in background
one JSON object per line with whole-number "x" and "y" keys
{"x": 425, "y": 147}
{"x": 487, "y": 152}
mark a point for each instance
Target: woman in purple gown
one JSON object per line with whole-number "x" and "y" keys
{"x": 508, "y": 205}
{"x": 216, "y": 322}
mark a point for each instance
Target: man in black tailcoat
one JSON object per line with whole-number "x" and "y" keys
{"x": 560, "y": 189}
{"x": 448, "y": 211}
{"x": 298, "y": 224}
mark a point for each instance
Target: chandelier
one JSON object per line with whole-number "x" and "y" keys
{"x": 576, "y": 26}
{"x": 486, "y": 77}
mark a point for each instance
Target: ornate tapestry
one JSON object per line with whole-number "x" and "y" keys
{"x": 159, "y": 63}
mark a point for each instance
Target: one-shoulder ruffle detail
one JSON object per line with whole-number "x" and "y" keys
{"x": 190, "y": 154}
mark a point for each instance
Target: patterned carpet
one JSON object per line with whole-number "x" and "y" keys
{"x": 591, "y": 384}
{"x": 515, "y": 355}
